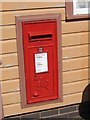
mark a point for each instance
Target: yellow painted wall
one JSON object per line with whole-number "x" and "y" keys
{"x": 75, "y": 56}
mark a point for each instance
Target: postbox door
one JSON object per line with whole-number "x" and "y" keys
{"x": 42, "y": 84}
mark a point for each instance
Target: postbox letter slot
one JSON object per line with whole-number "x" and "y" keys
{"x": 33, "y": 38}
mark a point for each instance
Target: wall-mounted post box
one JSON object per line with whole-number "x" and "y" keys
{"x": 39, "y": 41}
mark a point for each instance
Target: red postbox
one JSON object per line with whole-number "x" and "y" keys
{"x": 40, "y": 50}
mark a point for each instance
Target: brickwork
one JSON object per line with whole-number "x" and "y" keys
{"x": 69, "y": 112}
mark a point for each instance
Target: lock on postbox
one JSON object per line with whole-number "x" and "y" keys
{"x": 40, "y": 59}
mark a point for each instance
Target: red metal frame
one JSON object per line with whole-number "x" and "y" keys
{"x": 30, "y": 49}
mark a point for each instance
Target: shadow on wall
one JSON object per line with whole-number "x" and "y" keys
{"x": 84, "y": 107}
